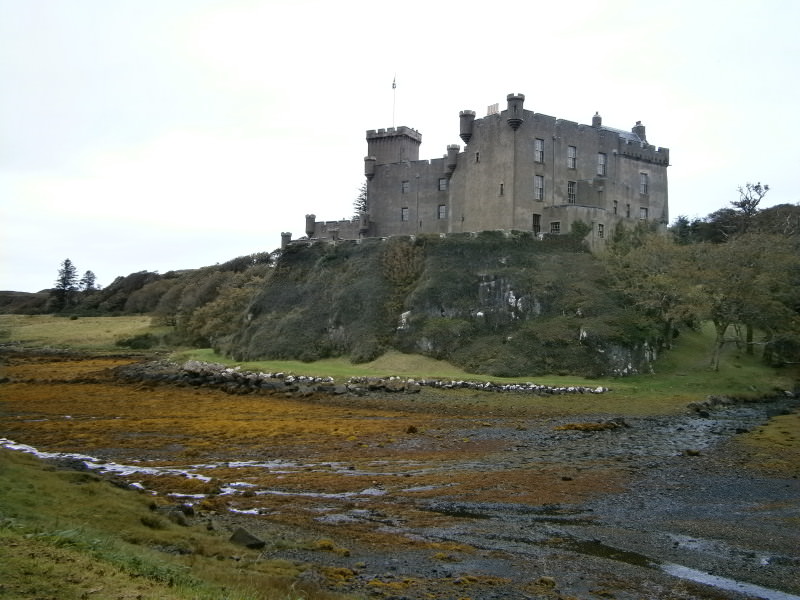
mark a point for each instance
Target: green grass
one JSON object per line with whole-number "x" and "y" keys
{"x": 67, "y": 534}
{"x": 84, "y": 333}
{"x": 681, "y": 375}
{"x": 682, "y": 371}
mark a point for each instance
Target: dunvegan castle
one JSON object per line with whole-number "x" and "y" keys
{"x": 519, "y": 170}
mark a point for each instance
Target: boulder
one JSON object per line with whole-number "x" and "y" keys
{"x": 242, "y": 537}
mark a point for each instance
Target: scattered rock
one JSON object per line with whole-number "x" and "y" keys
{"x": 546, "y": 581}
{"x": 242, "y": 537}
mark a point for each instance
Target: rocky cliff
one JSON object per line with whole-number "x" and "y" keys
{"x": 506, "y": 304}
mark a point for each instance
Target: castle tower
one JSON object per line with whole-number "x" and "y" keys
{"x": 514, "y": 114}
{"x": 310, "y": 225}
{"x": 393, "y": 145}
{"x": 467, "y": 118}
{"x": 597, "y": 120}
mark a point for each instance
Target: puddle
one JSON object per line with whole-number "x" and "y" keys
{"x": 460, "y": 513}
{"x": 724, "y": 583}
{"x": 601, "y": 550}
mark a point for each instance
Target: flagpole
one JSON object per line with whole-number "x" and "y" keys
{"x": 394, "y": 97}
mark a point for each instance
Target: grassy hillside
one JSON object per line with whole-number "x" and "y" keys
{"x": 72, "y": 535}
{"x": 494, "y": 303}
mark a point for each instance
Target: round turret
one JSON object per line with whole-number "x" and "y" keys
{"x": 369, "y": 167}
{"x": 467, "y": 118}
{"x": 452, "y": 158}
{"x": 286, "y": 237}
{"x": 514, "y": 116}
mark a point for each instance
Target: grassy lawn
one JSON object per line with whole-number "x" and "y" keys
{"x": 680, "y": 376}
{"x": 84, "y": 333}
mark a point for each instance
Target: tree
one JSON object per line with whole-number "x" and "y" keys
{"x": 750, "y": 281}
{"x": 88, "y": 282}
{"x": 682, "y": 230}
{"x": 651, "y": 271}
{"x": 360, "y": 203}
{"x": 749, "y": 198}
{"x": 66, "y": 284}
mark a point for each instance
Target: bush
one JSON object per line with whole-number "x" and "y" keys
{"x": 144, "y": 341}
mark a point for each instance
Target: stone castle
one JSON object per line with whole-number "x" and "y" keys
{"x": 519, "y": 170}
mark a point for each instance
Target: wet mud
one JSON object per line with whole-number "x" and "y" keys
{"x": 415, "y": 500}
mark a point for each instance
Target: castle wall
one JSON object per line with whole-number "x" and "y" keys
{"x": 404, "y": 198}
{"x": 519, "y": 170}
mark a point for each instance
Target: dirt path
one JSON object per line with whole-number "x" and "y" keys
{"x": 411, "y": 499}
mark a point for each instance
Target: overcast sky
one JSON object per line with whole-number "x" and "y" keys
{"x": 170, "y": 134}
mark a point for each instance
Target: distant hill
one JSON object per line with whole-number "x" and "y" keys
{"x": 24, "y": 303}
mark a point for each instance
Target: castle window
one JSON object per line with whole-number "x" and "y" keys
{"x": 643, "y": 183}
{"x": 601, "y": 163}
{"x": 538, "y": 150}
{"x": 404, "y": 213}
{"x": 501, "y": 189}
{"x": 537, "y": 223}
{"x": 555, "y": 227}
{"x": 601, "y": 230}
{"x": 615, "y": 206}
{"x": 538, "y": 187}
{"x": 572, "y": 157}
{"x": 443, "y": 184}
{"x": 442, "y": 211}
{"x": 628, "y": 210}
{"x": 643, "y": 213}
{"x": 404, "y": 187}
{"x": 572, "y": 194}
{"x": 477, "y": 157}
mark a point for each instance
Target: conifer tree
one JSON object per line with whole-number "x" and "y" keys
{"x": 66, "y": 284}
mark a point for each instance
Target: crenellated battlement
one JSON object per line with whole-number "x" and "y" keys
{"x": 390, "y": 132}
{"x": 645, "y": 152}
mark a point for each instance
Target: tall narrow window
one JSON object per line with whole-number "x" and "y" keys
{"x": 477, "y": 157}
{"x": 501, "y": 189}
{"x": 572, "y": 194}
{"x": 404, "y": 187}
{"x": 443, "y": 184}
{"x": 601, "y": 163}
{"x": 615, "y": 206}
{"x": 643, "y": 213}
{"x": 601, "y": 230}
{"x": 572, "y": 157}
{"x": 442, "y": 211}
{"x": 538, "y": 187}
{"x": 555, "y": 227}
{"x": 538, "y": 150}
{"x": 404, "y": 213}
{"x": 643, "y": 183}
{"x": 537, "y": 223}
{"x": 628, "y": 211}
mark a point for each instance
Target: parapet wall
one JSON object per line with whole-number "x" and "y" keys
{"x": 373, "y": 134}
{"x": 645, "y": 152}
